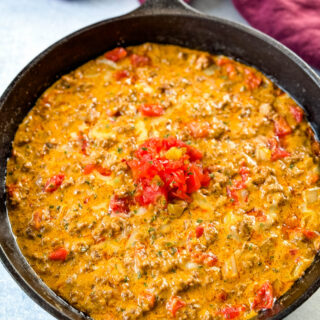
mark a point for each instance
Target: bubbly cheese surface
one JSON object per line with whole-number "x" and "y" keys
{"x": 158, "y": 182}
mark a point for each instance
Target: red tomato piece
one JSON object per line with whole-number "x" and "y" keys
{"x": 151, "y": 110}
{"x": 223, "y": 60}
{"x": 150, "y": 193}
{"x": 198, "y": 129}
{"x": 309, "y": 234}
{"x": 89, "y": 168}
{"x": 231, "y": 312}
{"x": 281, "y": 127}
{"x": 54, "y": 183}
{"x": 264, "y": 297}
{"x": 140, "y": 61}
{"x": 174, "y": 304}
{"x": 150, "y": 298}
{"x": 252, "y": 80}
{"x": 279, "y": 153}
{"x": 231, "y": 193}
{"x": 178, "y": 178}
{"x": 199, "y": 231}
{"x": 119, "y": 205}
{"x": 297, "y": 113}
{"x": 231, "y": 70}
{"x": 194, "y": 153}
{"x": 209, "y": 259}
{"x": 244, "y": 173}
{"x": 116, "y": 54}
{"x": 121, "y": 74}
{"x": 103, "y": 171}
{"x": 193, "y": 179}
{"x": 58, "y": 255}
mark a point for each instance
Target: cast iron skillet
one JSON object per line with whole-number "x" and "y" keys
{"x": 162, "y": 21}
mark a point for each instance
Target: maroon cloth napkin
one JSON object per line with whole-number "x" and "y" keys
{"x": 143, "y": 1}
{"x": 295, "y": 23}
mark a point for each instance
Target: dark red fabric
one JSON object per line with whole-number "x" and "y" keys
{"x": 143, "y": 1}
{"x": 295, "y": 23}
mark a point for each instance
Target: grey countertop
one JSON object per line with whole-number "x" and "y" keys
{"x": 29, "y": 26}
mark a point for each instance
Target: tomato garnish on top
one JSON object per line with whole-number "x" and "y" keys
{"x": 167, "y": 168}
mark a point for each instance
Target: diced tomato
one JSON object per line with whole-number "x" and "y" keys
{"x": 150, "y": 193}
{"x": 252, "y": 80}
{"x": 103, "y": 171}
{"x": 279, "y": 153}
{"x": 54, "y": 183}
{"x": 223, "y": 60}
{"x": 199, "y": 231}
{"x": 116, "y": 54}
{"x": 205, "y": 181}
{"x": 59, "y": 255}
{"x": 281, "y": 127}
{"x": 119, "y": 205}
{"x": 264, "y": 297}
{"x": 244, "y": 173}
{"x": 231, "y": 312}
{"x": 147, "y": 297}
{"x": 151, "y": 110}
{"x": 309, "y": 234}
{"x": 174, "y": 178}
{"x": 89, "y": 168}
{"x": 174, "y": 304}
{"x": 193, "y": 179}
{"x": 232, "y": 194}
{"x": 208, "y": 259}
{"x": 194, "y": 153}
{"x": 297, "y": 113}
{"x": 231, "y": 70}
{"x": 140, "y": 61}
{"x": 198, "y": 129}
{"x": 121, "y": 74}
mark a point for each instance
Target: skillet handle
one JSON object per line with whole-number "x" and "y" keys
{"x": 165, "y": 6}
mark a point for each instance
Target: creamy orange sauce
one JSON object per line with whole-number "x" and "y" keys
{"x": 158, "y": 182}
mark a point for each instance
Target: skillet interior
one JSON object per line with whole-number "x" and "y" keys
{"x": 174, "y": 26}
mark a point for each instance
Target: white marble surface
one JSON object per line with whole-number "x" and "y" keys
{"x": 29, "y": 26}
